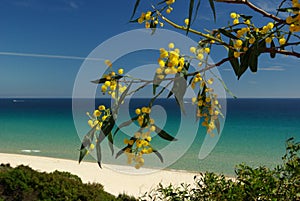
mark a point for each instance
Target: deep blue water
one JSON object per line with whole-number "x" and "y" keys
{"x": 255, "y": 132}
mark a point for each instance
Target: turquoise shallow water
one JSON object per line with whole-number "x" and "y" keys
{"x": 255, "y": 132}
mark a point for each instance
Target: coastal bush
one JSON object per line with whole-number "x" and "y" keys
{"x": 23, "y": 183}
{"x": 261, "y": 183}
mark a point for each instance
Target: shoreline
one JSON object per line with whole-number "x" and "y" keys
{"x": 116, "y": 179}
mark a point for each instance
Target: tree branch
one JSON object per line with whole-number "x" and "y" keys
{"x": 284, "y": 52}
{"x": 191, "y": 30}
{"x": 255, "y": 8}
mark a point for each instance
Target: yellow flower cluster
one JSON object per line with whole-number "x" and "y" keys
{"x": 207, "y": 104}
{"x": 111, "y": 84}
{"x": 200, "y": 53}
{"x": 170, "y": 62}
{"x": 139, "y": 145}
{"x": 148, "y": 18}
{"x": 98, "y": 117}
{"x": 169, "y": 2}
{"x": 142, "y": 114}
{"x": 197, "y": 79}
{"x": 235, "y": 18}
{"x": 294, "y": 21}
{"x": 248, "y": 34}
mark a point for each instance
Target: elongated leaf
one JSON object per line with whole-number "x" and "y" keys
{"x": 191, "y": 8}
{"x": 135, "y": 7}
{"x": 111, "y": 143}
{"x": 123, "y": 150}
{"x": 99, "y": 81}
{"x": 99, "y": 155}
{"x": 179, "y": 89}
{"x": 244, "y": 64}
{"x": 82, "y": 153}
{"x": 272, "y": 54}
{"x": 261, "y": 46}
{"x": 86, "y": 142}
{"x": 212, "y": 5}
{"x": 163, "y": 134}
{"x": 253, "y": 61}
{"x": 123, "y": 95}
{"x": 158, "y": 155}
{"x": 124, "y": 124}
{"x": 246, "y": 17}
{"x": 145, "y": 121}
{"x": 227, "y": 33}
{"x": 197, "y": 9}
{"x": 233, "y": 61}
{"x": 153, "y": 27}
{"x": 156, "y": 82}
{"x": 224, "y": 85}
{"x": 102, "y": 80}
{"x": 217, "y": 123}
{"x": 108, "y": 125}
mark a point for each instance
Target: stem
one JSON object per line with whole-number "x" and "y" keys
{"x": 255, "y": 8}
{"x": 207, "y": 36}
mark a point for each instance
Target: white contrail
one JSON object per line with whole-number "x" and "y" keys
{"x": 48, "y": 56}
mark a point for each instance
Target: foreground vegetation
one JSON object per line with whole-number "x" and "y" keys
{"x": 23, "y": 183}
{"x": 262, "y": 183}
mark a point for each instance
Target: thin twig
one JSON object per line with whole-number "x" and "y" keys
{"x": 255, "y": 8}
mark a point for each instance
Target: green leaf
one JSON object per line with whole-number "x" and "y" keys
{"x": 212, "y": 5}
{"x": 153, "y": 27}
{"x": 246, "y": 17}
{"x": 157, "y": 81}
{"x": 145, "y": 120}
{"x": 102, "y": 80}
{"x": 233, "y": 61}
{"x": 179, "y": 89}
{"x": 133, "y": 21}
{"x": 124, "y": 124}
{"x": 111, "y": 143}
{"x": 108, "y": 125}
{"x": 128, "y": 146}
{"x": 99, "y": 155}
{"x": 135, "y": 7}
{"x": 227, "y": 33}
{"x": 121, "y": 151}
{"x": 99, "y": 81}
{"x": 123, "y": 95}
{"x": 272, "y": 54}
{"x": 163, "y": 134}
{"x": 253, "y": 59}
{"x": 86, "y": 142}
{"x": 244, "y": 59}
{"x": 197, "y": 9}
{"x": 191, "y": 8}
{"x": 83, "y": 152}
{"x": 224, "y": 85}
{"x": 158, "y": 155}
{"x": 217, "y": 123}
{"x": 261, "y": 46}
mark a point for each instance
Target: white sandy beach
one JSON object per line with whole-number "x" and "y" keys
{"x": 131, "y": 181}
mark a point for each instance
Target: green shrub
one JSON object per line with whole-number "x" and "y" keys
{"x": 23, "y": 183}
{"x": 262, "y": 183}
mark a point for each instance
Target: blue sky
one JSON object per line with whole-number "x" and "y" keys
{"x": 43, "y": 43}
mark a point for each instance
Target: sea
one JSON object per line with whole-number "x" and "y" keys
{"x": 253, "y": 131}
